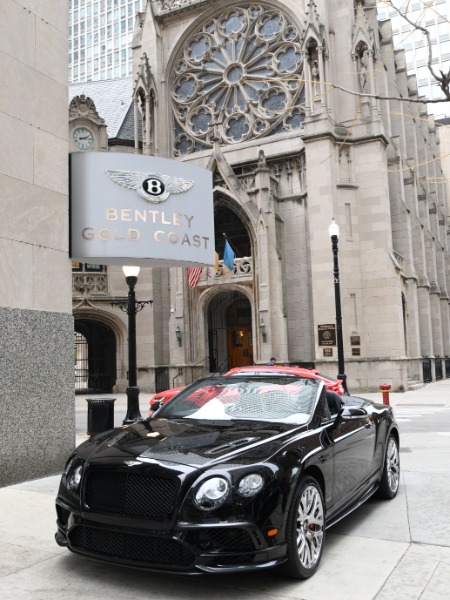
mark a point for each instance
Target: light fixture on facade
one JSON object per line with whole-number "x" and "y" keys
{"x": 178, "y": 335}
{"x": 262, "y": 329}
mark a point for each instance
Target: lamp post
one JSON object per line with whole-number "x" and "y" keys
{"x": 333, "y": 231}
{"x": 131, "y": 308}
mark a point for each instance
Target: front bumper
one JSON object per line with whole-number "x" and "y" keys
{"x": 186, "y": 549}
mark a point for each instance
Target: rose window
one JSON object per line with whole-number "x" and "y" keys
{"x": 238, "y": 79}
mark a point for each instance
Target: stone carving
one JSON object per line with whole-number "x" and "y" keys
{"x": 83, "y": 106}
{"x": 93, "y": 283}
{"x": 315, "y": 75}
{"x": 363, "y": 70}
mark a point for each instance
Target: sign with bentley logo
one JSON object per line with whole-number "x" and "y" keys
{"x": 152, "y": 187}
{"x": 152, "y": 210}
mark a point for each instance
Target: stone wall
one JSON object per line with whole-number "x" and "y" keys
{"x": 37, "y": 410}
{"x": 37, "y": 425}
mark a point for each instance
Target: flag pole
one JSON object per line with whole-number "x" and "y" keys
{"x": 236, "y": 253}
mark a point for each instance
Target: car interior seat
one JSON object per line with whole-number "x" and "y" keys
{"x": 334, "y": 402}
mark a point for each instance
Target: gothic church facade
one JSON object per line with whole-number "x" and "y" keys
{"x": 304, "y": 112}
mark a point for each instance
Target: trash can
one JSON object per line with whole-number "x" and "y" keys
{"x": 100, "y": 415}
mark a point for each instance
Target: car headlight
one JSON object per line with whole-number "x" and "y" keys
{"x": 73, "y": 473}
{"x": 212, "y": 493}
{"x": 250, "y": 485}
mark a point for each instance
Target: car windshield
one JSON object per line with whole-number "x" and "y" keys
{"x": 259, "y": 398}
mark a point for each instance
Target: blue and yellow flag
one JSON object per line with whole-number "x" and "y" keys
{"x": 228, "y": 256}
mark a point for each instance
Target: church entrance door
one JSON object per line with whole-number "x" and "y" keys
{"x": 240, "y": 348}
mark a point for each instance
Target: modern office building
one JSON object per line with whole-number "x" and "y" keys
{"x": 279, "y": 100}
{"x": 100, "y": 35}
{"x": 433, "y": 15}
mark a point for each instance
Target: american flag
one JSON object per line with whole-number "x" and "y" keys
{"x": 193, "y": 276}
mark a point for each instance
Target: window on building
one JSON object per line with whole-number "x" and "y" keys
{"x": 78, "y": 267}
{"x": 436, "y": 92}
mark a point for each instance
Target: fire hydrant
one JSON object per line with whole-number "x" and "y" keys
{"x": 384, "y": 388}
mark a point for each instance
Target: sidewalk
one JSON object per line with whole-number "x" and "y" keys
{"x": 397, "y": 550}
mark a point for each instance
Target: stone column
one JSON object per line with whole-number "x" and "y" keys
{"x": 271, "y": 300}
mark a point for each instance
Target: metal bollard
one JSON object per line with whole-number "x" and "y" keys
{"x": 384, "y": 388}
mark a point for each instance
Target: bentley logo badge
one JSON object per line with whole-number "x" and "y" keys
{"x": 152, "y": 187}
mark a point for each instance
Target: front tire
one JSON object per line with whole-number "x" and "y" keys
{"x": 390, "y": 480}
{"x": 305, "y": 530}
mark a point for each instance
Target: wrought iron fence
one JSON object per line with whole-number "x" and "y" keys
{"x": 426, "y": 369}
{"x": 161, "y": 379}
{"x": 438, "y": 368}
{"x": 447, "y": 366}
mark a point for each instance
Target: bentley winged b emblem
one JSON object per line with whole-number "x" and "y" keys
{"x": 152, "y": 187}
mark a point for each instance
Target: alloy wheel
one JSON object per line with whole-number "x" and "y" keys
{"x": 310, "y": 527}
{"x": 393, "y": 466}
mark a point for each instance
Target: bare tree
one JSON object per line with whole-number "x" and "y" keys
{"x": 443, "y": 79}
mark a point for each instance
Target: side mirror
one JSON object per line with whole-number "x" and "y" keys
{"x": 350, "y": 413}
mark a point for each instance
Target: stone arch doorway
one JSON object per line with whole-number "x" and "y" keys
{"x": 230, "y": 334}
{"x": 95, "y": 357}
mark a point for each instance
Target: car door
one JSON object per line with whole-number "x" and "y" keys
{"x": 353, "y": 439}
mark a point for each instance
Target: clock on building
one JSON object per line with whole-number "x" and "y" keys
{"x": 83, "y": 138}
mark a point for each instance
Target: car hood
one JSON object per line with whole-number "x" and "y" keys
{"x": 190, "y": 443}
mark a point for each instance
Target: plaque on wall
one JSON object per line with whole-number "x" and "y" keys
{"x": 328, "y": 352}
{"x": 327, "y": 334}
{"x": 355, "y": 340}
{"x": 356, "y": 351}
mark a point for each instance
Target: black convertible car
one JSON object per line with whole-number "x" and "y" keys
{"x": 234, "y": 474}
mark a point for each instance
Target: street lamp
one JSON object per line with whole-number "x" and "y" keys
{"x": 131, "y": 308}
{"x": 333, "y": 231}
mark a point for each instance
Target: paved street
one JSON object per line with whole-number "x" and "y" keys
{"x": 397, "y": 550}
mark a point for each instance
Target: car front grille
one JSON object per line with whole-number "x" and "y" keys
{"x": 130, "y": 494}
{"x": 133, "y": 547}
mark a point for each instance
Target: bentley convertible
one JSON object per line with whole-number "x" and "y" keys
{"x": 234, "y": 474}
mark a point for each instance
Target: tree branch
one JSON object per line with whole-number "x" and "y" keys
{"x": 444, "y": 79}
